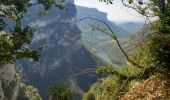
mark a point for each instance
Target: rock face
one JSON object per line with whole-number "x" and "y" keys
{"x": 9, "y": 87}
{"x": 64, "y": 55}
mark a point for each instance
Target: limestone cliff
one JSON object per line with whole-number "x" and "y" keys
{"x": 11, "y": 88}
{"x": 64, "y": 54}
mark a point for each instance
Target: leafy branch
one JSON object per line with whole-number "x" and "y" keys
{"x": 14, "y": 41}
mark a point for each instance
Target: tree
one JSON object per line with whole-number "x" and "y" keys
{"x": 149, "y": 59}
{"x": 14, "y": 40}
{"x": 61, "y": 92}
{"x": 157, "y": 42}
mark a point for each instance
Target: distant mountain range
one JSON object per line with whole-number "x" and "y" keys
{"x": 102, "y": 44}
{"x": 83, "y": 12}
{"x": 131, "y": 27}
{"x": 122, "y": 30}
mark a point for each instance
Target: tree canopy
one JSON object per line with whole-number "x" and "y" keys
{"x": 14, "y": 39}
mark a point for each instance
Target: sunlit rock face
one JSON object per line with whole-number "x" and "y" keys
{"x": 64, "y": 54}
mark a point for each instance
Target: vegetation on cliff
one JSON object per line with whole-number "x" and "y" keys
{"x": 146, "y": 75}
{"x": 15, "y": 37}
{"x": 14, "y": 41}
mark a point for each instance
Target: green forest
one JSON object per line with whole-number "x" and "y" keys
{"x": 144, "y": 74}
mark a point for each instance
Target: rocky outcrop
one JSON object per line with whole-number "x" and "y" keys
{"x": 9, "y": 87}
{"x": 64, "y": 54}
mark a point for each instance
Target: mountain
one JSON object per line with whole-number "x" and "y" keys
{"x": 131, "y": 27}
{"x": 11, "y": 87}
{"x": 64, "y": 55}
{"x": 83, "y": 12}
{"x": 103, "y": 45}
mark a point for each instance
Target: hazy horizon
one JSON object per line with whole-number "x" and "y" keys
{"x": 116, "y": 12}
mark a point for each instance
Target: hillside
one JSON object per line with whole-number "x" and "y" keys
{"x": 64, "y": 55}
{"x": 55, "y": 50}
{"x": 131, "y": 27}
{"x": 102, "y": 44}
{"x": 83, "y": 12}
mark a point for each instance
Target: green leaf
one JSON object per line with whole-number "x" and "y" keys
{"x": 130, "y": 1}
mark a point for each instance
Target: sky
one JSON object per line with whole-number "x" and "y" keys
{"x": 116, "y": 12}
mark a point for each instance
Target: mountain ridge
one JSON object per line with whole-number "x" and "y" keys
{"x": 83, "y": 12}
{"x": 64, "y": 55}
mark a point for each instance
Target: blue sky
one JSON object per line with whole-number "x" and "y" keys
{"x": 116, "y": 12}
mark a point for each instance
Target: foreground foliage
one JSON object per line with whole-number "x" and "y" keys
{"x": 146, "y": 75}
{"x": 28, "y": 92}
{"x": 61, "y": 92}
{"x": 154, "y": 88}
{"x": 14, "y": 37}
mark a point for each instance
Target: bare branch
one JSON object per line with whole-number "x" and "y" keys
{"x": 140, "y": 12}
{"x": 88, "y": 70}
{"x": 113, "y": 36}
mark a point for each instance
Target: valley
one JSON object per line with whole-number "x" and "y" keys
{"x": 100, "y": 43}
